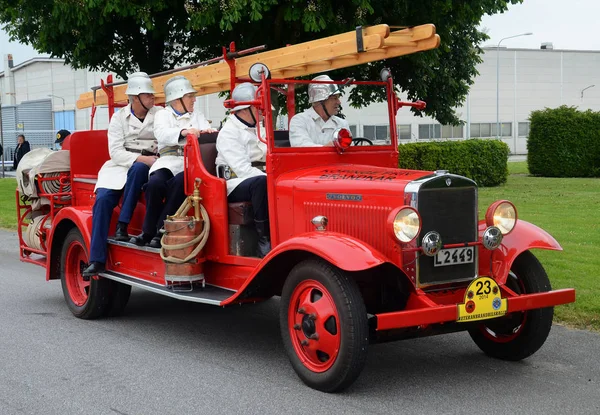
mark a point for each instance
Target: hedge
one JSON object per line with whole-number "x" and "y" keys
{"x": 564, "y": 142}
{"x": 483, "y": 160}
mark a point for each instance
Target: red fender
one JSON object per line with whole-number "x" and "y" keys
{"x": 81, "y": 217}
{"x": 341, "y": 250}
{"x": 525, "y": 236}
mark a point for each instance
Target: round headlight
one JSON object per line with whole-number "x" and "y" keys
{"x": 503, "y": 215}
{"x": 406, "y": 224}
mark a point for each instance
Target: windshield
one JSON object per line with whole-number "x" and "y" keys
{"x": 306, "y": 114}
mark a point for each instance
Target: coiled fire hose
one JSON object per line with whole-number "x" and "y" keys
{"x": 54, "y": 186}
{"x": 199, "y": 210}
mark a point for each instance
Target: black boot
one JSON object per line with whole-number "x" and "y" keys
{"x": 264, "y": 237}
{"x": 121, "y": 232}
{"x": 141, "y": 240}
{"x": 94, "y": 268}
{"x": 155, "y": 242}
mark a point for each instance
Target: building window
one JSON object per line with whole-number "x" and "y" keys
{"x": 429, "y": 131}
{"x": 404, "y": 132}
{"x": 353, "y": 130}
{"x": 488, "y": 129}
{"x": 524, "y": 129}
{"x": 376, "y": 132}
{"x": 452, "y": 131}
{"x": 64, "y": 120}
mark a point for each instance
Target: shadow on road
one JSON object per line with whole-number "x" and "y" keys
{"x": 248, "y": 338}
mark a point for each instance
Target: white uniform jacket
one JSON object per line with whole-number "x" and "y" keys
{"x": 167, "y": 127}
{"x": 308, "y": 129}
{"x": 238, "y": 146}
{"x": 125, "y": 131}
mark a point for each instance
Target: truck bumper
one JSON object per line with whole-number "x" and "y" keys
{"x": 448, "y": 313}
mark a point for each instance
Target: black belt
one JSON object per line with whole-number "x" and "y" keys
{"x": 143, "y": 152}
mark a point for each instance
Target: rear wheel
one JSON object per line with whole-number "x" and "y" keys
{"x": 324, "y": 325}
{"x": 119, "y": 297}
{"x": 85, "y": 299}
{"x": 521, "y": 334}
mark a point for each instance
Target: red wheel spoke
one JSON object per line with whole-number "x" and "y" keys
{"x": 311, "y": 353}
{"x": 324, "y": 309}
{"x": 305, "y": 299}
{"x": 328, "y": 342}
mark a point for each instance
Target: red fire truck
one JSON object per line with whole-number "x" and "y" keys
{"x": 363, "y": 251}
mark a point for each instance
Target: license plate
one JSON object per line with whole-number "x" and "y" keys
{"x": 482, "y": 300}
{"x": 454, "y": 256}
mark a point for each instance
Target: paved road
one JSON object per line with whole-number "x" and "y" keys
{"x": 170, "y": 357}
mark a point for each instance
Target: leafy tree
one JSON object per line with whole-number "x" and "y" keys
{"x": 154, "y": 35}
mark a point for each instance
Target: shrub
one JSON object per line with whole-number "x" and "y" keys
{"x": 564, "y": 142}
{"x": 484, "y": 161}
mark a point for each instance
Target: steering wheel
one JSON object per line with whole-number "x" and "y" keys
{"x": 361, "y": 141}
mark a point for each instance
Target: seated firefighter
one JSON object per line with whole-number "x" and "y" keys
{"x": 132, "y": 149}
{"x": 315, "y": 126}
{"x": 172, "y": 124}
{"x": 241, "y": 161}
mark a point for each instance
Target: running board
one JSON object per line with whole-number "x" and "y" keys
{"x": 207, "y": 295}
{"x": 112, "y": 241}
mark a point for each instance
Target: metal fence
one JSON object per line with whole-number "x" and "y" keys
{"x": 33, "y": 119}
{"x": 36, "y": 138}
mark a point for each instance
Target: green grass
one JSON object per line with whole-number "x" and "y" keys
{"x": 518, "y": 167}
{"x": 569, "y": 209}
{"x": 8, "y": 215}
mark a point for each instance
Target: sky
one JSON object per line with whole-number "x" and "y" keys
{"x": 567, "y": 24}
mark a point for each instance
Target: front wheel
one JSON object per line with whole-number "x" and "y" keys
{"x": 324, "y": 325}
{"x": 85, "y": 299}
{"x": 520, "y": 334}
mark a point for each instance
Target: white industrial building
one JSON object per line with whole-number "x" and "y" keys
{"x": 38, "y": 98}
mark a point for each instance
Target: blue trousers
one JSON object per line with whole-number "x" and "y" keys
{"x": 164, "y": 195}
{"x": 107, "y": 200}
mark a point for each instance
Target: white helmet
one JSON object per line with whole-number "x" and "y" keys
{"x": 320, "y": 92}
{"x": 243, "y": 92}
{"x": 177, "y": 87}
{"x": 139, "y": 83}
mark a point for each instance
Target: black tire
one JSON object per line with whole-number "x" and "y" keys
{"x": 119, "y": 297}
{"x": 521, "y": 334}
{"x": 85, "y": 300}
{"x": 348, "y": 325}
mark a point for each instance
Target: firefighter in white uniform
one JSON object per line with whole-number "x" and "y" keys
{"x": 241, "y": 161}
{"x": 315, "y": 126}
{"x": 132, "y": 148}
{"x": 164, "y": 191}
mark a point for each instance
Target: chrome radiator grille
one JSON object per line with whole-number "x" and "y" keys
{"x": 451, "y": 212}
